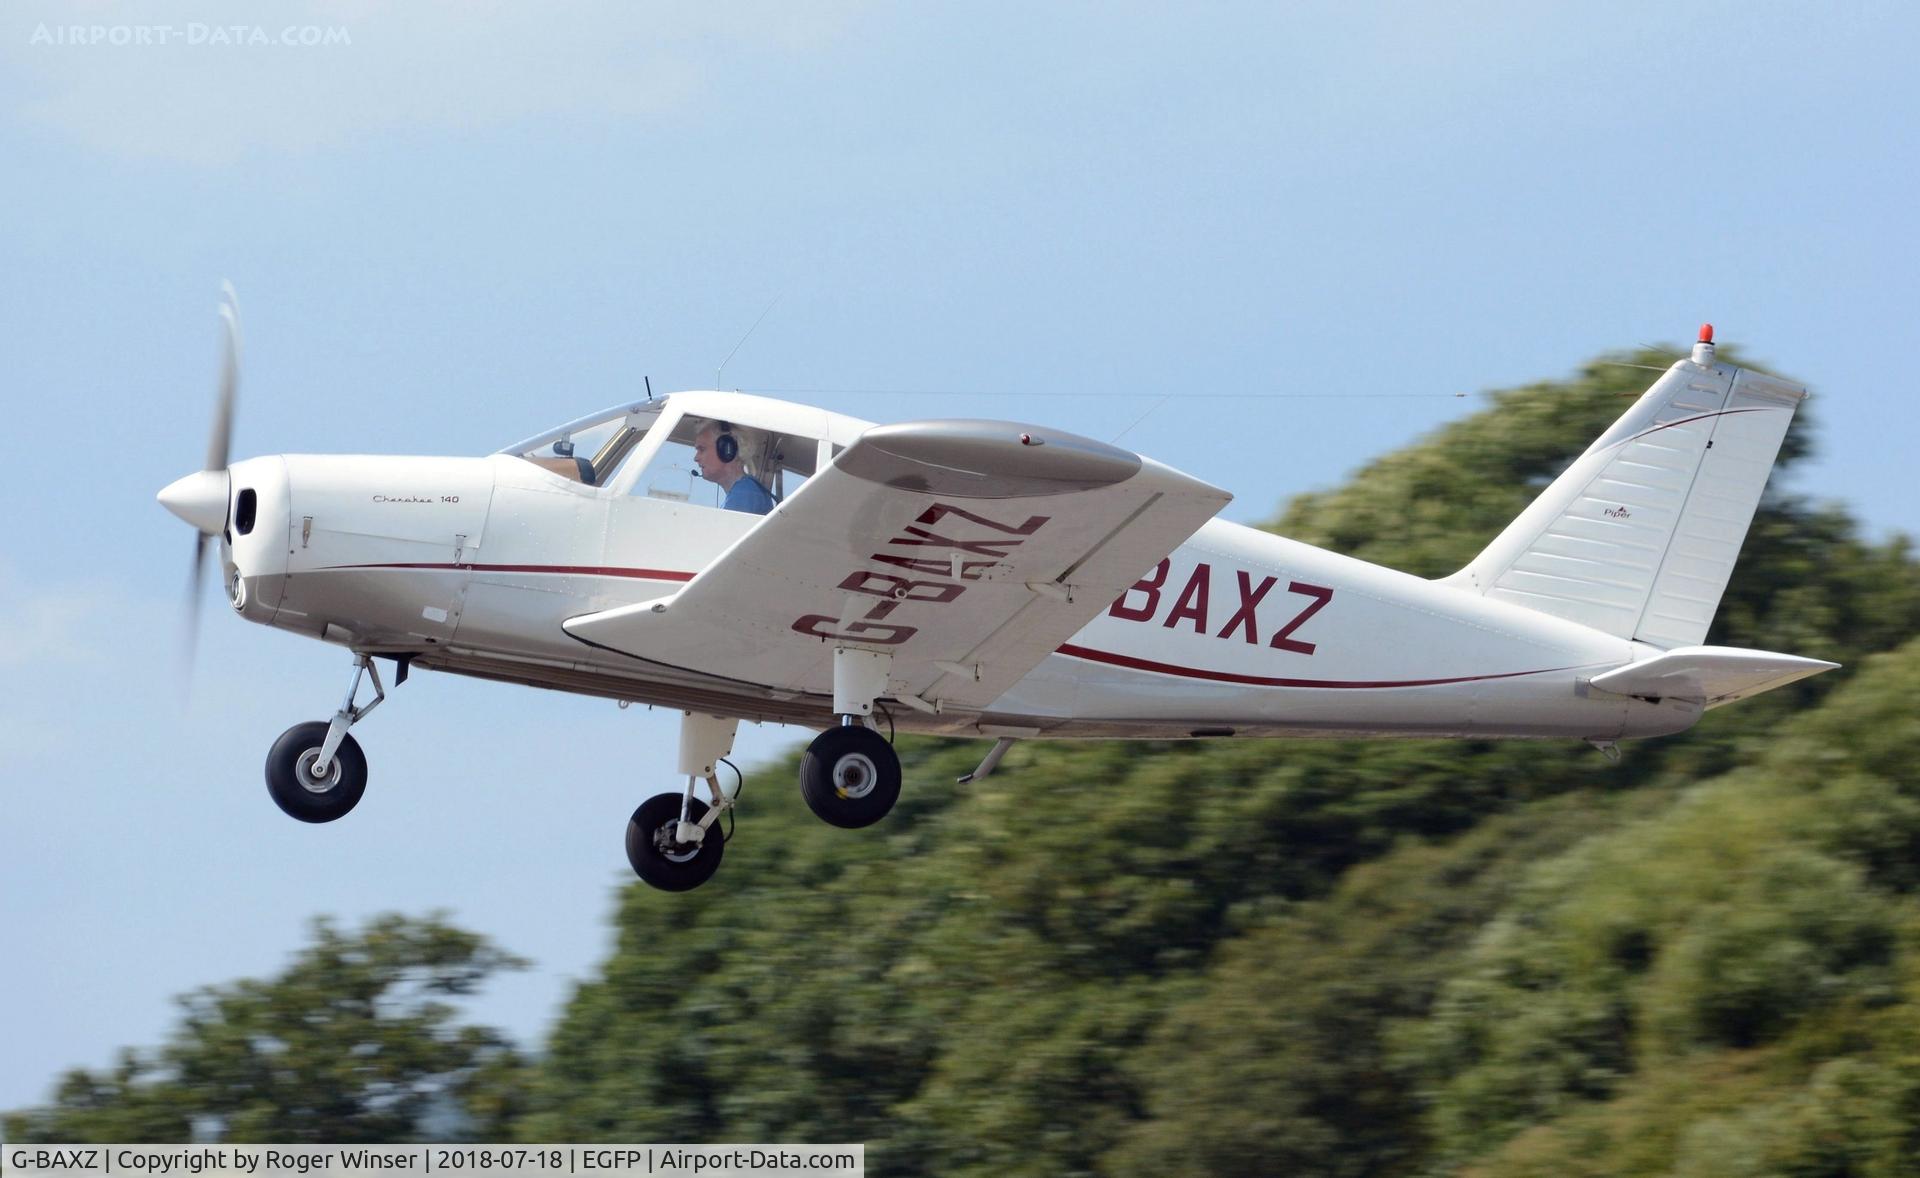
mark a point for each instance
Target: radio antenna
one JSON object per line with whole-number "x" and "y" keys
{"x": 742, "y": 343}
{"x": 649, "y": 381}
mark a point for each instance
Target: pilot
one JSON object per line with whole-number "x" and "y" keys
{"x": 718, "y": 453}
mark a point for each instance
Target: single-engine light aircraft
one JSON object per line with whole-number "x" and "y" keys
{"x": 981, "y": 579}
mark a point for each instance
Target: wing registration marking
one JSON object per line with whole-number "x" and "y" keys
{"x": 942, "y": 580}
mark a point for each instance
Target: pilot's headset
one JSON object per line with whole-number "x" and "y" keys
{"x": 749, "y": 445}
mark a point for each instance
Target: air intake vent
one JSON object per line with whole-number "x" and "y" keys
{"x": 244, "y": 511}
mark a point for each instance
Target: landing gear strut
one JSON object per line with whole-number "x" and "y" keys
{"x": 316, "y": 771}
{"x": 850, "y": 777}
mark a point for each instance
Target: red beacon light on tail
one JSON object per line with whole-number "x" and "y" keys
{"x": 1703, "y": 349}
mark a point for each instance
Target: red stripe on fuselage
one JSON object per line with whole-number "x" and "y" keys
{"x": 1138, "y": 664}
{"x": 1069, "y": 649}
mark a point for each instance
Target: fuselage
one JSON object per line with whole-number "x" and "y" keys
{"x": 470, "y": 565}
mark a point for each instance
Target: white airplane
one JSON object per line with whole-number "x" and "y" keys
{"x": 981, "y": 579}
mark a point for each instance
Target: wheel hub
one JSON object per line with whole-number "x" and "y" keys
{"x": 677, "y": 852}
{"x": 854, "y": 776}
{"x": 307, "y": 772}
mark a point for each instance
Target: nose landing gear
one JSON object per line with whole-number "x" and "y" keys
{"x": 316, "y": 771}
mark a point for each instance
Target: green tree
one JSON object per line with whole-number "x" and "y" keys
{"x": 354, "y": 1041}
{"x": 1743, "y": 917}
{"x": 1281, "y": 1061}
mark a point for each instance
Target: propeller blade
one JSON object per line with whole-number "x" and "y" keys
{"x": 201, "y": 498}
{"x": 190, "y": 643}
{"x": 222, "y": 435}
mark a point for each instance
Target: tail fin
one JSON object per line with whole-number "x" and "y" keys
{"x": 1640, "y": 534}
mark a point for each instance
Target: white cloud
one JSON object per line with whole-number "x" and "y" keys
{"x": 208, "y": 82}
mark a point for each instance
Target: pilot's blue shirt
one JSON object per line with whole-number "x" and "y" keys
{"x": 748, "y": 495}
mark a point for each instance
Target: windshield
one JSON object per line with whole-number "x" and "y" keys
{"x": 591, "y": 449}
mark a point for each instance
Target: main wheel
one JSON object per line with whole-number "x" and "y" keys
{"x": 658, "y": 858}
{"x": 305, "y": 794}
{"x": 850, "y": 777}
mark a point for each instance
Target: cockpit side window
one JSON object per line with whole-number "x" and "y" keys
{"x": 776, "y": 463}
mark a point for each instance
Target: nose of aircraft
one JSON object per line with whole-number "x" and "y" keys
{"x": 200, "y": 499}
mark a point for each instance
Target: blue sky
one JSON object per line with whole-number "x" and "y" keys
{"x": 469, "y": 222}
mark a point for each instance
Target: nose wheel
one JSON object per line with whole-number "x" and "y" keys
{"x": 316, "y": 771}
{"x": 301, "y": 787}
{"x": 850, "y": 776}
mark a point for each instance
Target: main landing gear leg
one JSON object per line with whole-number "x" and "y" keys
{"x": 671, "y": 840}
{"x": 316, "y": 771}
{"x": 850, "y": 776}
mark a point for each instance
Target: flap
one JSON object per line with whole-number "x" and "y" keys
{"x": 1710, "y": 675}
{"x": 967, "y": 550}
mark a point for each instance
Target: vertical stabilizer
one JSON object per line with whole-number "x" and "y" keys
{"x": 1639, "y": 536}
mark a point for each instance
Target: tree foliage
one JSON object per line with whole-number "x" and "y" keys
{"x": 1753, "y": 929}
{"x": 355, "y": 1041}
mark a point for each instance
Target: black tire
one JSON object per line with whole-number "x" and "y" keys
{"x": 662, "y": 864}
{"x": 297, "y": 791}
{"x": 850, "y": 777}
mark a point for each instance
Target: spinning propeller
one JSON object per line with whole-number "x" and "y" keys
{"x": 201, "y": 498}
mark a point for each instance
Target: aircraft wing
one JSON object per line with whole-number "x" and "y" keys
{"x": 966, "y": 550}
